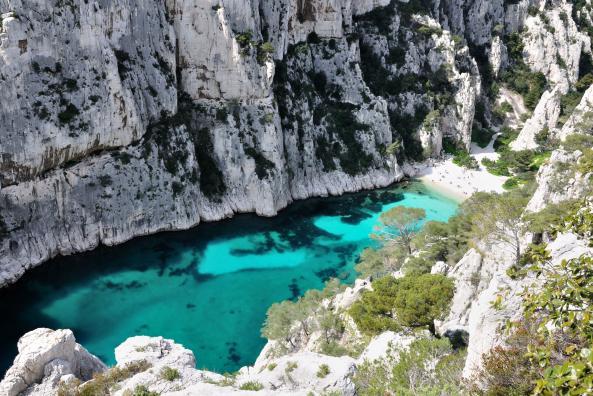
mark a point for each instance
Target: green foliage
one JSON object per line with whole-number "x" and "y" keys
{"x": 544, "y": 220}
{"x": 497, "y": 218}
{"x": 497, "y": 168}
{"x": 506, "y": 370}
{"x": 549, "y": 350}
{"x": 251, "y": 386}
{"x": 465, "y": 160}
{"x": 141, "y": 390}
{"x": 323, "y": 371}
{"x": 481, "y": 136}
{"x": 510, "y": 183}
{"x": 430, "y": 30}
{"x": 504, "y": 140}
{"x": 450, "y": 146}
{"x": 264, "y": 52}
{"x": 378, "y": 262}
{"x": 531, "y": 85}
{"x": 287, "y": 317}
{"x": 430, "y": 367}
{"x": 568, "y": 103}
{"x": 68, "y": 114}
{"x": 564, "y": 303}
{"x": 585, "y": 164}
{"x": 290, "y": 367}
{"x": 411, "y": 301}
{"x": 577, "y": 141}
{"x": 263, "y": 166}
{"x": 399, "y": 225}
{"x": 103, "y": 384}
{"x": 169, "y": 374}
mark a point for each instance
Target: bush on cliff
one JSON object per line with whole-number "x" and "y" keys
{"x": 411, "y": 301}
{"x": 429, "y": 367}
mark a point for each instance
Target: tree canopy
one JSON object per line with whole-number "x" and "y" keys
{"x": 411, "y": 301}
{"x": 399, "y": 225}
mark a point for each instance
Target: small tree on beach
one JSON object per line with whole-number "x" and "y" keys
{"x": 399, "y": 225}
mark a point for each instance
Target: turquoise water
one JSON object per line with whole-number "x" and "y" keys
{"x": 207, "y": 288}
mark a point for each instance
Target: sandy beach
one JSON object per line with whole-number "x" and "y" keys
{"x": 455, "y": 181}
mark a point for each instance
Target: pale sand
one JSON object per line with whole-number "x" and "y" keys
{"x": 457, "y": 182}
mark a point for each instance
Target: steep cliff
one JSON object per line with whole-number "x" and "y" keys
{"x": 123, "y": 119}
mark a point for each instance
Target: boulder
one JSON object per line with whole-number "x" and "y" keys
{"x": 45, "y": 356}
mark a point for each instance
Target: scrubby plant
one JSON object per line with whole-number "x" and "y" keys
{"x": 323, "y": 371}
{"x": 141, "y": 390}
{"x": 291, "y": 366}
{"x": 464, "y": 159}
{"x": 103, "y": 383}
{"x": 411, "y": 301}
{"x": 287, "y": 318}
{"x": 549, "y": 350}
{"x": 429, "y": 366}
{"x": 251, "y": 386}
{"x": 169, "y": 374}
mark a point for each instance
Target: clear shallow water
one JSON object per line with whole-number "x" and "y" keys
{"x": 207, "y": 288}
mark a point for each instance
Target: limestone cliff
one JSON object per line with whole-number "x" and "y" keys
{"x": 123, "y": 119}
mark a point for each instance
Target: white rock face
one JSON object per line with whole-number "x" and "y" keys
{"x": 381, "y": 344}
{"x": 467, "y": 275}
{"x": 80, "y": 79}
{"x": 181, "y": 95}
{"x": 557, "y": 182}
{"x": 220, "y": 69}
{"x": 554, "y": 45}
{"x": 45, "y": 357}
{"x": 581, "y": 119}
{"x": 231, "y": 150}
{"x": 546, "y": 115}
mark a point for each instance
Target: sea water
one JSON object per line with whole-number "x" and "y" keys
{"x": 207, "y": 288}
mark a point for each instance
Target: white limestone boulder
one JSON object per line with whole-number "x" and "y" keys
{"x": 45, "y": 356}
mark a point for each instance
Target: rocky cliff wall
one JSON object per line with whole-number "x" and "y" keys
{"x": 123, "y": 119}
{"x": 127, "y": 118}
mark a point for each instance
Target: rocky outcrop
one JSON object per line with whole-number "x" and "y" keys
{"x": 581, "y": 119}
{"x": 558, "y": 181}
{"x": 45, "y": 359}
{"x": 554, "y": 45}
{"x": 481, "y": 279}
{"x": 545, "y": 117}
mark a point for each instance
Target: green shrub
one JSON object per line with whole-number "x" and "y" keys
{"x": 411, "y": 301}
{"x": 291, "y": 366}
{"x": 585, "y": 164}
{"x": 69, "y": 113}
{"x": 496, "y": 167}
{"x": 141, "y": 390}
{"x": 465, "y": 160}
{"x": 510, "y": 183}
{"x": 577, "y": 142}
{"x": 103, "y": 383}
{"x": 169, "y": 374}
{"x": 323, "y": 371}
{"x": 429, "y": 366}
{"x": 251, "y": 386}
{"x": 481, "y": 136}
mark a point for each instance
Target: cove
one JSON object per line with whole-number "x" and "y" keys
{"x": 207, "y": 288}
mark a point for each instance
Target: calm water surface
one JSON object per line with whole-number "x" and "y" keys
{"x": 207, "y": 288}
